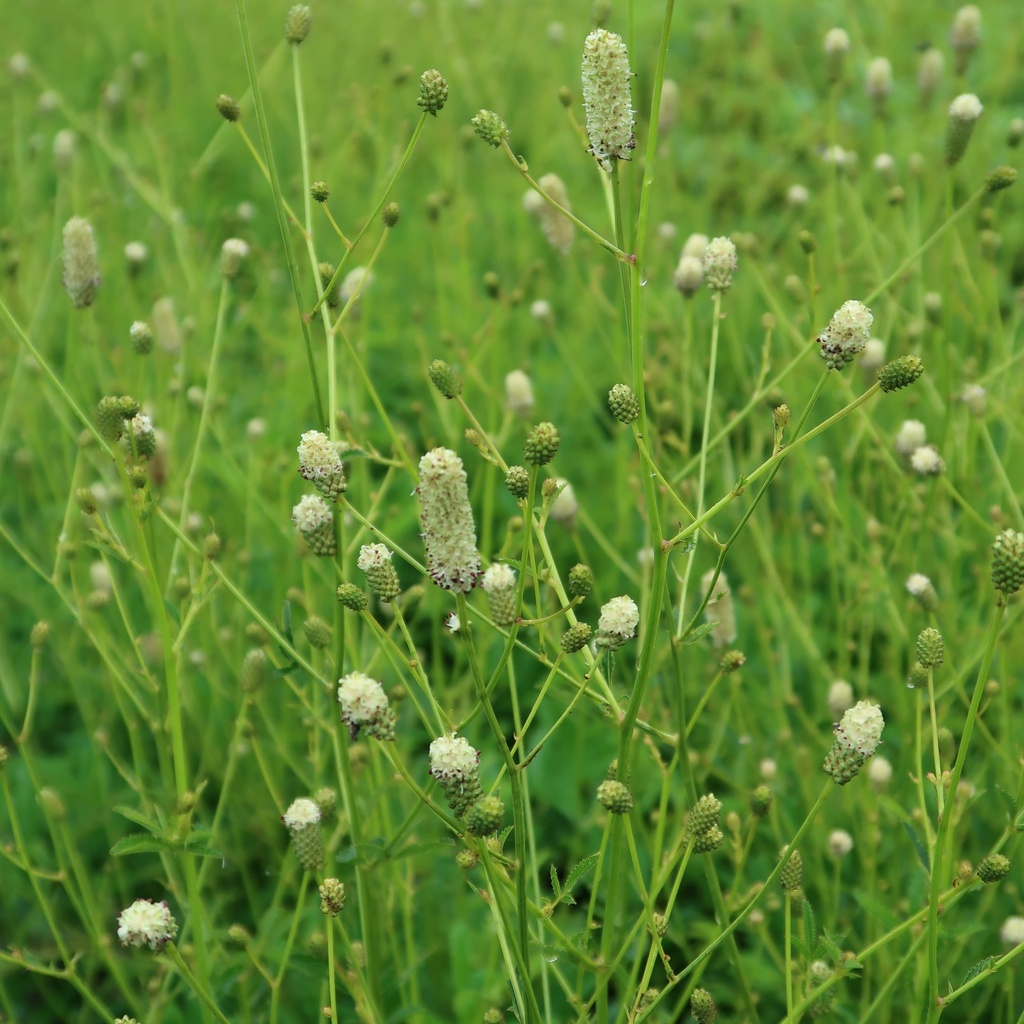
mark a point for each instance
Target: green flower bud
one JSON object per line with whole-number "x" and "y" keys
{"x": 900, "y": 373}
{"x": 332, "y": 897}
{"x": 807, "y": 241}
{"x": 930, "y": 648}
{"x": 142, "y": 337}
{"x": 351, "y": 597}
{"x": 994, "y": 868}
{"x": 381, "y": 576}
{"x": 485, "y": 816}
{"x": 1008, "y": 562}
{"x": 326, "y": 272}
{"x": 228, "y": 108}
{"x": 319, "y": 191}
{"x": 490, "y": 127}
{"x": 964, "y": 112}
{"x": 444, "y": 378}
{"x": 296, "y": 25}
{"x": 517, "y": 480}
{"x": 86, "y": 500}
{"x": 731, "y": 661}
{"x": 254, "y": 670}
{"x": 999, "y": 178}
{"x": 615, "y": 796}
{"x": 541, "y": 444}
{"x": 581, "y": 580}
{"x": 792, "y": 877}
{"x": 623, "y": 403}
{"x": 704, "y": 816}
{"x": 390, "y": 214}
{"x": 433, "y": 91}
{"x": 575, "y": 638}
{"x": 318, "y": 633}
{"x": 761, "y": 801}
{"x": 702, "y": 1007}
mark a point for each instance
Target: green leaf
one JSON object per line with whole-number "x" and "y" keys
{"x": 699, "y": 632}
{"x": 979, "y": 968}
{"x": 142, "y": 843}
{"x": 139, "y": 818}
{"x": 555, "y": 887}
{"x": 584, "y": 866}
{"x": 1011, "y": 807}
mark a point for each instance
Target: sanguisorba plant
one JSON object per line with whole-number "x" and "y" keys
{"x": 421, "y": 744}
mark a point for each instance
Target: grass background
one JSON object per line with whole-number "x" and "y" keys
{"x": 818, "y": 573}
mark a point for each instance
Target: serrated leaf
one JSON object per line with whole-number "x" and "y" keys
{"x": 138, "y": 817}
{"x": 503, "y": 835}
{"x": 699, "y": 632}
{"x": 979, "y": 968}
{"x": 555, "y": 887}
{"x": 203, "y": 850}
{"x": 142, "y": 843}
{"x": 922, "y": 852}
{"x": 582, "y": 868}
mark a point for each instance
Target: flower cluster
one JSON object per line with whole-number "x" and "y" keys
{"x": 313, "y": 519}
{"x": 320, "y": 464}
{"x": 449, "y": 533}
{"x": 146, "y": 923}
{"x": 365, "y": 707}
{"x": 302, "y": 819}
{"x": 606, "y": 97}
{"x": 856, "y": 738}
{"x": 456, "y": 765}
{"x": 618, "y": 623}
{"x": 847, "y": 333}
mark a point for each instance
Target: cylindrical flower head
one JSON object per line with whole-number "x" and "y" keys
{"x": 840, "y": 843}
{"x": 836, "y": 47}
{"x": 320, "y": 464}
{"x": 965, "y": 35}
{"x": 929, "y": 72}
{"x": 433, "y": 91}
{"x": 846, "y": 335}
{"x": 332, "y": 897}
{"x": 688, "y": 276}
{"x": 490, "y": 127}
{"x": 232, "y": 252}
{"x": 364, "y": 706}
{"x": 840, "y": 698}
{"x": 792, "y": 876}
{"x": 719, "y": 263}
{"x": 519, "y": 393}
{"x": 618, "y": 623}
{"x": 449, "y": 534}
{"x": 1008, "y": 562}
{"x": 926, "y": 461}
{"x": 302, "y": 819}
{"x": 297, "y": 24}
{"x": 702, "y": 1007}
{"x": 930, "y": 648}
{"x": 615, "y": 796}
{"x": 456, "y": 766}
{"x": 313, "y": 519}
{"x": 623, "y": 402}
{"x": 81, "y": 262}
{"x": 923, "y": 591}
{"x": 704, "y": 815}
{"x": 485, "y": 816}
{"x": 964, "y": 112}
{"x": 1012, "y": 931}
{"x": 856, "y": 738}
{"x": 900, "y": 373}
{"x": 878, "y": 80}
{"x": 720, "y": 610}
{"x": 499, "y": 583}
{"x": 558, "y": 229}
{"x": 381, "y": 577}
{"x": 606, "y": 97}
{"x": 146, "y": 923}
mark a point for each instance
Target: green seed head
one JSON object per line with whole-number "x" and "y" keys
{"x": 900, "y": 373}
{"x": 615, "y": 796}
{"x": 517, "y": 480}
{"x": 581, "y": 580}
{"x": 444, "y": 378}
{"x": 541, "y": 444}
{"x": 228, "y": 107}
{"x": 575, "y": 638}
{"x": 930, "y": 648}
{"x": 1008, "y": 562}
{"x": 485, "y": 816}
{"x": 994, "y": 868}
{"x": 296, "y": 25}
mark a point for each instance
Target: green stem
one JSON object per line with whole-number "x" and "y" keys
{"x": 942, "y": 834}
